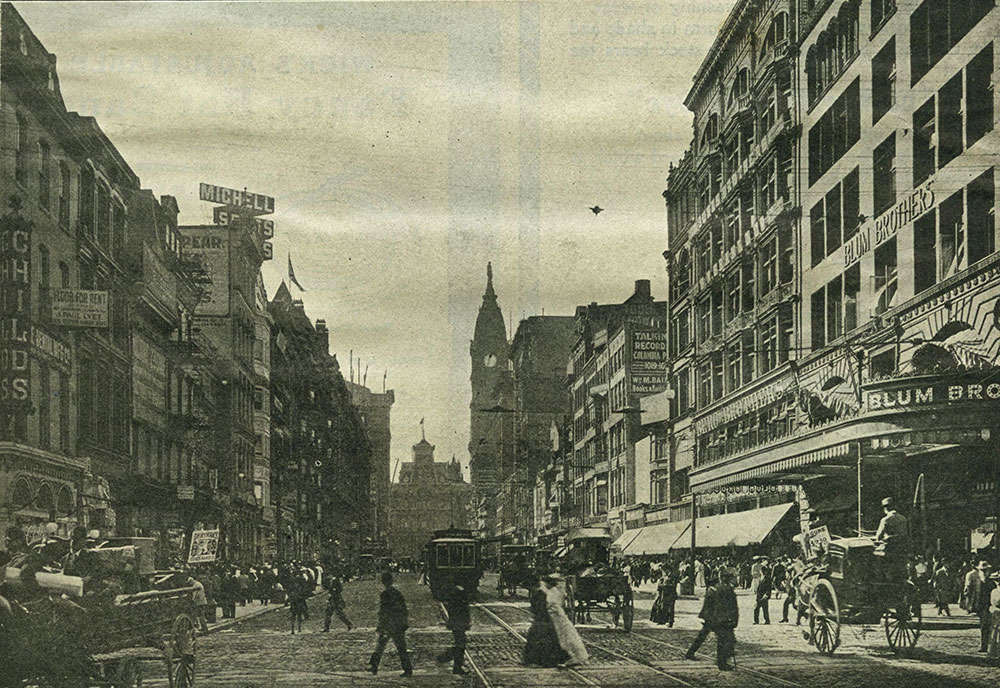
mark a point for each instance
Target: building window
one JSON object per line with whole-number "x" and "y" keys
{"x": 705, "y": 384}
{"x": 818, "y": 311}
{"x": 716, "y": 309}
{"x": 117, "y": 228}
{"x": 769, "y": 265}
{"x": 835, "y": 133}
{"x": 705, "y": 319}
{"x": 883, "y": 79}
{"x": 769, "y": 345}
{"x": 21, "y": 149}
{"x": 954, "y": 119}
{"x": 747, "y": 285}
{"x": 44, "y": 407}
{"x": 64, "y": 413}
{"x": 44, "y": 174}
{"x": 817, "y": 233}
{"x": 881, "y": 11}
{"x": 884, "y": 175}
{"x": 44, "y": 277}
{"x": 732, "y": 295}
{"x": 885, "y": 276}
{"x": 936, "y": 26}
{"x": 768, "y": 184}
{"x": 103, "y": 232}
{"x": 64, "y": 190}
{"x": 951, "y": 235}
{"x": 981, "y": 213}
{"x": 86, "y": 203}
{"x": 834, "y": 219}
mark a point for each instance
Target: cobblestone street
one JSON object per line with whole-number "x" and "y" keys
{"x": 260, "y": 652}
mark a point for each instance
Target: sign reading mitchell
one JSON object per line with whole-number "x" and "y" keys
{"x": 256, "y": 204}
{"x": 926, "y": 395}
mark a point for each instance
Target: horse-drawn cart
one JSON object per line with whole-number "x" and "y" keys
{"x": 856, "y": 584}
{"x": 57, "y": 642}
{"x": 517, "y": 568}
{"x": 608, "y": 592}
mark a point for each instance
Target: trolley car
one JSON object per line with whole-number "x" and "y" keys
{"x": 454, "y": 557}
{"x": 855, "y": 585}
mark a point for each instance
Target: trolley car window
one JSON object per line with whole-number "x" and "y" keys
{"x": 469, "y": 555}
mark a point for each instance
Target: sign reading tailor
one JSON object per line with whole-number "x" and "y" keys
{"x": 254, "y": 203}
{"x": 222, "y": 215}
{"x": 885, "y": 226}
{"x": 15, "y": 313}
{"x": 649, "y": 361}
{"x": 79, "y": 308}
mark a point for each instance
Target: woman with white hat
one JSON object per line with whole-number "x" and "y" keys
{"x": 569, "y": 639}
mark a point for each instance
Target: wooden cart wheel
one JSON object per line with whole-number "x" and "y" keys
{"x": 903, "y": 623}
{"x": 183, "y": 652}
{"x": 129, "y": 674}
{"x": 628, "y": 612}
{"x": 824, "y": 617}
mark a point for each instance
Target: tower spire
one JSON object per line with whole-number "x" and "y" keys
{"x": 489, "y": 281}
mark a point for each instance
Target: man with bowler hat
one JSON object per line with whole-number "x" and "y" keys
{"x": 392, "y": 623}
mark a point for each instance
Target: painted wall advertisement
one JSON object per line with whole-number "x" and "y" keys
{"x": 79, "y": 308}
{"x": 649, "y": 361}
{"x": 204, "y": 546}
{"x": 209, "y": 244}
{"x": 149, "y": 381}
{"x": 15, "y": 312}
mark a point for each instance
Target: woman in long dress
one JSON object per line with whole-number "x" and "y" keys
{"x": 569, "y": 639}
{"x": 993, "y": 649}
{"x": 542, "y": 647}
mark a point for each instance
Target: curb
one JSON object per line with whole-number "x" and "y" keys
{"x": 218, "y": 626}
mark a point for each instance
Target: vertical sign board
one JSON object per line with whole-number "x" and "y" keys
{"x": 15, "y": 313}
{"x": 649, "y": 360}
{"x": 204, "y": 546}
{"x": 209, "y": 244}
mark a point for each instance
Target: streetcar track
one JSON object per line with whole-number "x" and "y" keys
{"x": 748, "y": 670}
{"x": 472, "y": 662}
{"x": 593, "y": 644}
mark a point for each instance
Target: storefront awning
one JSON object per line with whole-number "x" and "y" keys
{"x": 625, "y": 538}
{"x": 659, "y": 538}
{"x": 587, "y": 533}
{"x": 561, "y": 552}
{"x": 739, "y": 529}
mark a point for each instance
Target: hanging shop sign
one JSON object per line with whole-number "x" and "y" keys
{"x": 253, "y": 203}
{"x": 79, "y": 308}
{"x": 15, "y": 313}
{"x": 204, "y": 546}
{"x": 875, "y": 233}
{"x": 223, "y": 215}
{"x": 816, "y": 542}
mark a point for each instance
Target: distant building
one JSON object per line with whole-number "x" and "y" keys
{"x": 429, "y": 496}
{"x": 376, "y": 410}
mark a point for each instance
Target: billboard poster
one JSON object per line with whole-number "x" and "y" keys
{"x": 816, "y": 542}
{"x": 648, "y": 361}
{"x": 204, "y": 546}
{"x": 209, "y": 244}
{"x": 79, "y": 308}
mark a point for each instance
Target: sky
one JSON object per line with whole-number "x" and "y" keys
{"x": 407, "y": 144}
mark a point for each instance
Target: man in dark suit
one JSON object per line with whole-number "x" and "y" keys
{"x": 720, "y": 615}
{"x": 459, "y": 622}
{"x": 392, "y": 623}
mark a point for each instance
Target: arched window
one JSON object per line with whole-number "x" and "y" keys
{"x": 21, "y": 496}
{"x": 849, "y": 30}
{"x": 64, "y": 506}
{"x": 44, "y": 499}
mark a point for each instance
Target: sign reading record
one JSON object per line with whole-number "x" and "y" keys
{"x": 258, "y": 204}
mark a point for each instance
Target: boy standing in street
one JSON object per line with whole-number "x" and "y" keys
{"x": 459, "y": 622}
{"x": 392, "y": 623}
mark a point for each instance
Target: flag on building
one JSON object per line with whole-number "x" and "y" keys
{"x": 291, "y": 274}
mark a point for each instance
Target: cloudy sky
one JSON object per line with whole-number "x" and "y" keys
{"x": 407, "y": 144}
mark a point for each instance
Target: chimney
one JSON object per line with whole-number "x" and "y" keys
{"x": 642, "y": 289}
{"x": 323, "y": 335}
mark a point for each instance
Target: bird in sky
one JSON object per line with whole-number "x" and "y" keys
{"x": 596, "y": 209}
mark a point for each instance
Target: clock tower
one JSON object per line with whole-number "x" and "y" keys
{"x": 489, "y": 374}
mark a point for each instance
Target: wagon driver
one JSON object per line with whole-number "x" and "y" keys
{"x": 894, "y": 532}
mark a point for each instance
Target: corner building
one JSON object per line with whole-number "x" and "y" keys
{"x": 887, "y": 385}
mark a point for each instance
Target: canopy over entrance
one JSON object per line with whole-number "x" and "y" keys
{"x": 738, "y": 529}
{"x": 659, "y": 538}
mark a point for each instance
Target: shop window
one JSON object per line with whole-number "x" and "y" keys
{"x": 885, "y": 276}
{"x": 884, "y": 80}
{"x": 884, "y": 175}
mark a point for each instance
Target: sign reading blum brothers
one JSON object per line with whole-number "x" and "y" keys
{"x": 920, "y": 393}
{"x": 15, "y": 315}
